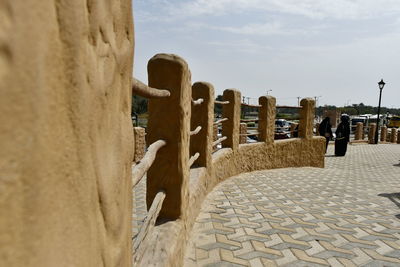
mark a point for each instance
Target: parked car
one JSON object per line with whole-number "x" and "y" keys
{"x": 356, "y": 120}
{"x": 282, "y": 129}
{"x": 394, "y": 122}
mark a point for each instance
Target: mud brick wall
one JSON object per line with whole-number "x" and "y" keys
{"x": 65, "y": 132}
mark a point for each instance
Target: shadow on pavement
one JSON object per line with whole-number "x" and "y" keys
{"x": 395, "y": 198}
{"x": 397, "y": 165}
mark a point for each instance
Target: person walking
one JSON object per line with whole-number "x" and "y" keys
{"x": 325, "y": 130}
{"x": 342, "y": 135}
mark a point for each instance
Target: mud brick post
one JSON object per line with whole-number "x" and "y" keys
{"x": 383, "y": 133}
{"x": 371, "y": 133}
{"x": 231, "y": 111}
{"x": 307, "y": 113}
{"x": 169, "y": 120}
{"x": 266, "y": 116}
{"x": 359, "y": 131}
{"x": 203, "y": 116}
{"x": 393, "y": 135}
{"x": 398, "y": 134}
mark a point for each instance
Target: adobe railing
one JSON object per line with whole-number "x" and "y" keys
{"x": 255, "y": 132}
{"x": 387, "y": 135}
{"x": 185, "y": 159}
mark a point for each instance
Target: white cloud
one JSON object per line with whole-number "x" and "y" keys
{"x": 319, "y": 9}
{"x": 256, "y": 29}
{"x": 270, "y": 28}
{"x": 245, "y": 45}
{"x": 275, "y": 17}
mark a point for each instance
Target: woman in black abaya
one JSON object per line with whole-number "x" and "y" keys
{"x": 342, "y": 136}
{"x": 325, "y": 130}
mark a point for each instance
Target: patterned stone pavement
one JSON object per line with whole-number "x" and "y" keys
{"x": 347, "y": 214}
{"x": 139, "y": 207}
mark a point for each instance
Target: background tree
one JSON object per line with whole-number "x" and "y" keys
{"x": 218, "y": 108}
{"x": 139, "y": 105}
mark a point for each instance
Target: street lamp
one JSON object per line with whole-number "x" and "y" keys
{"x": 381, "y": 85}
{"x": 316, "y": 100}
{"x": 270, "y": 90}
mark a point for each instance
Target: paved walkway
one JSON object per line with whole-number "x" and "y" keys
{"x": 139, "y": 207}
{"x": 347, "y": 214}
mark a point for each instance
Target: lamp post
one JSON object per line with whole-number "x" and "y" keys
{"x": 381, "y": 85}
{"x": 316, "y": 100}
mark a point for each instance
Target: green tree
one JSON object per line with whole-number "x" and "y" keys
{"x": 139, "y": 105}
{"x": 217, "y": 107}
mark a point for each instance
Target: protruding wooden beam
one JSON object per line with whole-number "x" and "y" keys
{"x": 193, "y": 159}
{"x": 148, "y": 223}
{"x": 144, "y": 165}
{"x": 195, "y": 131}
{"x": 221, "y": 102}
{"x": 220, "y": 121}
{"x": 141, "y": 89}
{"x": 220, "y": 140}
{"x": 198, "y": 101}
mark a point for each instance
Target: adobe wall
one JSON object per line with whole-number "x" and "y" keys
{"x": 259, "y": 156}
{"x": 171, "y": 237}
{"x": 65, "y": 132}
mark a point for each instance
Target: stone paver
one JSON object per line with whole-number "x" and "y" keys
{"x": 347, "y": 214}
{"x": 139, "y": 207}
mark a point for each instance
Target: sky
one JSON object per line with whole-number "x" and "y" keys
{"x": 333, "y": 50}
